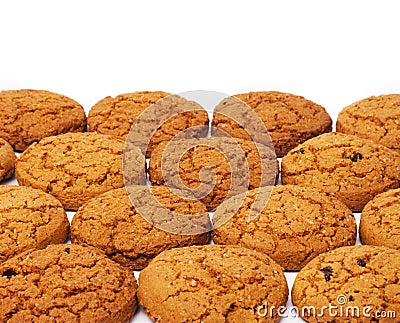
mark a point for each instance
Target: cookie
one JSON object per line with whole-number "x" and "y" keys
{"x": 291, "y": 224}
{"x": 214, "y": 168}
{"x": 66, "y": 283}
{"x": 29, "y": 219}
{"x": 75, "y": 167}
{"x": 352, "y": 169}
{"x": 349, "y": 284}
{"x": 376, "y": 118}
{"x": 212, "y": 284}
{"x": 7, "y": 160}
{"x": 380, "y": 220}
{"x": 30, "y": 115}
{"x": 289, "y": 119}
{"x": 115, "y": 116}
{"x": 111, "y": 223}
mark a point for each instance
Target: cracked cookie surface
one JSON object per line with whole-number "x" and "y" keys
{"x": 75, "y": 167}
{"x": 115, "y": 116}
{"x": 358, "y": 276}
{"x": 352, "y": 169}
{"x": 7, "y": 160}
{"x": 29, "y": 219}
{"x": 30, "y": 115}
{"x": 112, "y": 223}
{"x": 289, "y": 119}
{"x": 211, "y": 284}
{"x": 380, "y": 220}
{"x": 66, "y": 283}
{"x": 291, "y": 224}
{"x": 376, "y": 118}
{"x": 214, "y": 168}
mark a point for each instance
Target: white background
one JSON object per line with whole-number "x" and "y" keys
{"x": 332, "y": 52}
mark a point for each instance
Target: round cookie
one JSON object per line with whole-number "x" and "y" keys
{"x": 376, "y": 118}
{"x": 30, "y": 115}
{"x": 339, "y": 285}
{"x": 380, "y": 220}
{"x": 115, "y": 116}
{"x": 66, "y": 283}
{"x": 214, "y": 168}
{"x": 7, "y": 160}
{"x": 75, "y": 167}
{"x": 352, "y": 169}
{"x": 111, "y": 223}
{"x": 289, "y": 119}
{"x": 29, "y": 219}
{"x": 291, "y": 224}
{"x": 212, "y": 284}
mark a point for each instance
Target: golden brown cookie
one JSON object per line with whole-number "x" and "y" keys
{"x": 115, "y": 116}
{"x": 29, "y": 219}
{"x": 75, "y": 167}
{"x": 30, "y": 115}
{"x": 289, "y": 223}
{"x": 66, "y": 283}
{"x": 111, "y": 223}
{"x": 289, "y": 119}
{"x": 352, "y": 169}
{"x": 350, "y": 284}
{"x": 376, "y": 118}
{"x": 7, "y": 160}
{"x": 212, "y": 284}
{"x": 380, "y": 220}
{"x": 214, "y": 168}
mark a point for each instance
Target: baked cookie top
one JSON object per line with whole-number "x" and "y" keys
{"x": 75, "y": 167}
{"x": 214, "y": 168}
{"x": 211, "y": 284}
{"x": 376, "y": 118}
{"x": 30, "y": 115}
{"x": 7, "y": 160}
{"x": 66, "y": 283}
{"x": 166, "y": 116}
{"x": 114, "y": 223}
{"x": 29, "y": 219}
{"x": 291, "y": 224}
{"x": 380, "y": 220}
{"x": 289, "y": 119}
{"x": 363, "y": 277}
{"x": 352, "y": 169}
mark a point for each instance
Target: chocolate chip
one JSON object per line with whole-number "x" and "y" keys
{"x": 67, "y": 250}
{"x": 361, "y": 262}
{"x": 356, "y": 157}
{"x": 328, "y": 273}
{"x": 9, "y": 273}
{"x": 299, "y": 151}
{"x": 351, "y": 298}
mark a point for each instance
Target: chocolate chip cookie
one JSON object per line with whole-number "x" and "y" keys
{"x": 66, "y": 283}
{"x": 30, "y": 115}
{"x": 7, "y": 160}
{"x": 169, "y": 116}
{"x": 212, "y": 284}
{"x": 352, "y": 169}
{"x": 75, "y": 167}
{"x": 349, "y": 284}
{"x": 376, "y": 118}
{"x": 114, "y": 224}
{"x": 213, "y": 168}
{"x": 291, "y": 224}
{"x": 289, "y": 119}
{"x": 380, "y": 220}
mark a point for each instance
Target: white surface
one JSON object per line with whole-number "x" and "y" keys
{"x": 333, "y": 53}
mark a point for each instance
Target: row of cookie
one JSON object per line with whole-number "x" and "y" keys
{"x": 71, "y": 283}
